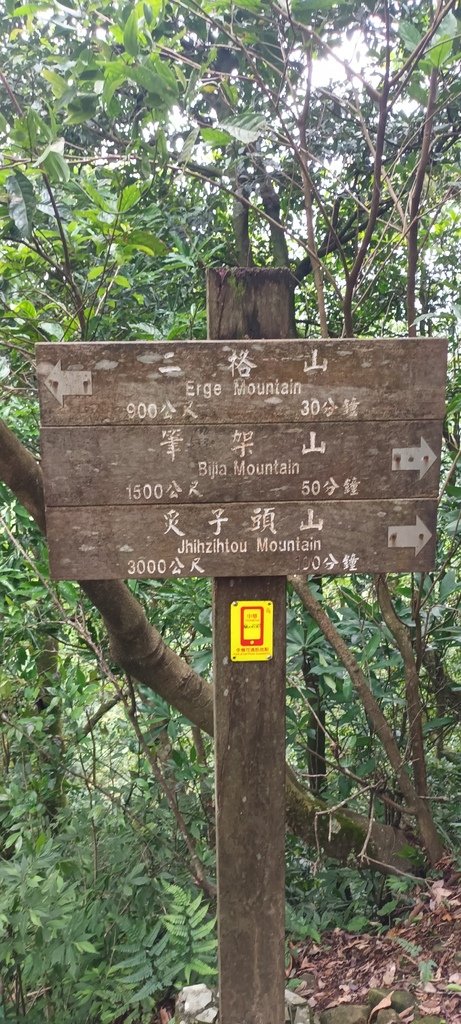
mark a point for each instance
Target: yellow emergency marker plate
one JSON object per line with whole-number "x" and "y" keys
{"x": 251, "y": 630}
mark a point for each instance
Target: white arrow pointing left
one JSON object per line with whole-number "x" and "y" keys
{"x": 68, "y": 382}
{"x": 415, "y": 536}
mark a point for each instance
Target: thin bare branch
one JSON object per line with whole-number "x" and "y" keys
{"x": 102, "y": 710}
{"x": 317, "y": 268}
{"x": 414, "y": 201}
{"x": 375, "y": 200}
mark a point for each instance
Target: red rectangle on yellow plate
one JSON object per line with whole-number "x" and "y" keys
{"x": 251, "y": 625}
{"x": 251, "y": 630}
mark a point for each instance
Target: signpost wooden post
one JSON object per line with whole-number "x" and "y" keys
{"x": 249, "y": 713}
{"x": 243, "y": 458}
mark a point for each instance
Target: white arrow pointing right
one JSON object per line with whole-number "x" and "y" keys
{"x": 409, "y": 536}
{"x": 421, "y": 458}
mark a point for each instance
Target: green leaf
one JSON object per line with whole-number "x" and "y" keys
{"x": 147, "y": 242}
{"x": 448, "y": 584}
{"x": 21, "y": 203}
{"x": 247, "y": 5}
{"x": 112, "y": 83}
{"x": 56, "y": 167}
{"x": 196, "y": 904}
{"x": 205, "y": 929}
{"x": 426, "y": 970}
{"x": 169, "y": 82}
{"x": 82, "y": 108}
{"x": 442, "y": 42}
{"x": 201, "y": 661}
{"x": 416, "y": 92}
{"x": 84, "y": 946}
{"x": 129, "y": 197}
{"x": 215, "y": 137}
{"x": 54, "y": 329}
{"x": 146, "y": 78}
{"x": 437, "y": 55}
{"x": 53, "y": 147}
{"x": 198, "y": 915}
{"x": 130, "y": 35}
{"x": 148, "y": 989}
{"x": 155, "y": 7}
{"x": 409, "y": 35}
{"x": 98, "y": 198}
{"x": 58, "y": 84}
{"x": 449, "y": 27}
{"x": 246, "y": 128}
{"x": 15, "y": 837}
{"x": 295, "y": 635}
{"x": 202, "y": 968}
{"x": 188, "y": 146}
{"x": 40, "y": 842}
{"x": 53, "y": 161}
{"x": 310, "y": 931}
{"x": 357, "y": 923}
{"x": 371, "y": 646}
{"x": 94, "y": 273}
{"x": 438, "y": 723}
{"x": 388, "y": 908}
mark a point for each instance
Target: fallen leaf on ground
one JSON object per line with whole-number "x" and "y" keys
{"x": 389, "y": 974}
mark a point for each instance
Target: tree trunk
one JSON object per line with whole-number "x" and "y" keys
{"x": 47, "y": 672}
{"x": 413, "y": 697}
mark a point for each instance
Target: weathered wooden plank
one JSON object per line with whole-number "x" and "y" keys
{"x": 250, "y": 303}
{"x": 250, "y": 767}
{"x": 129, "y": 465}
{"x": 181, "y": 383}
{"x": 119, "y": 542}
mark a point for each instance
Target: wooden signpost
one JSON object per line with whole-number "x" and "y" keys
{"x": 249, "y": 711}
{"x": 243, "y": 459}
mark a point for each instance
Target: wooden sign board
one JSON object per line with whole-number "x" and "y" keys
{"x": 145, "y": 465}
{"x": 245, "y": 457}
{"x": 116, "y": 542}
{"x": 183, "y": 383}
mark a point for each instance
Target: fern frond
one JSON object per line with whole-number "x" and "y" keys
{"x": 151, "y": 988}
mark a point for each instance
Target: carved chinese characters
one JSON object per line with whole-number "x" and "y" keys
{"x": 227, "y": 458}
